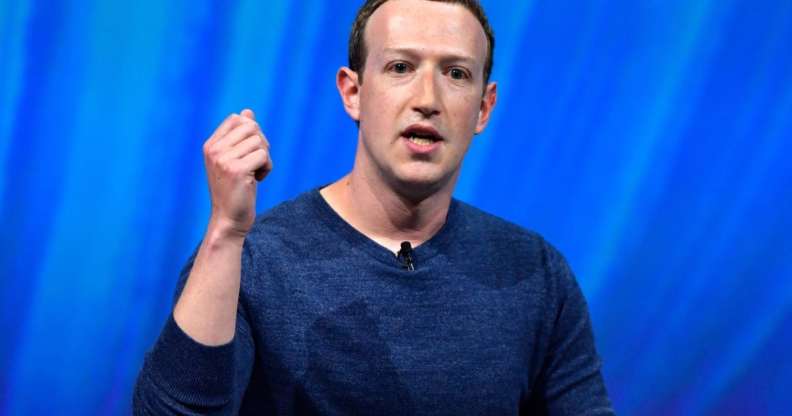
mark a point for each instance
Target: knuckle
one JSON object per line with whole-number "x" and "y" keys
{"x": 229, "y": 122}
{"x": 214, "y": 152}
{"x": 251, "y": 123}
{"x": 223, "y": 166}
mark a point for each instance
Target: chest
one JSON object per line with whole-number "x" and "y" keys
{"x": 368, "y": 341}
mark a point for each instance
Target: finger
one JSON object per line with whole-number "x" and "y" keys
{"x": 230, "y": 122}
{"x": 244, "y": 130}
{"x": 258, "y": 162}
{"x": 248, "y": 113}
{"x": 263, "y": 171}
{"x": 241, "y": 149}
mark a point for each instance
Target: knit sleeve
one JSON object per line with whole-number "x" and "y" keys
{"x": 571, "y": 382}
{"x": 181, "y": 376}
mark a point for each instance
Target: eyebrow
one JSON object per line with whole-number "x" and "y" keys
{"x": 414, "y": 53}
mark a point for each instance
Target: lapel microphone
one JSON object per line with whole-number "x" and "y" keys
{"x": 405, "y": 255}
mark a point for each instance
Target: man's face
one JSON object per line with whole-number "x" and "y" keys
{"x": 420, "y": 101}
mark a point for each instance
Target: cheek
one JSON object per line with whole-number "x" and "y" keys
{"x": 466, "y": 110}
{"x": 378, "y": 114}
{"x": 377, "y": 102}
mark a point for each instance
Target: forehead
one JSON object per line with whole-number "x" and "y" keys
{"x": 430, "y": 26}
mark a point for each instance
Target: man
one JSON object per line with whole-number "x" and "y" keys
{"x": 377, "y": 294}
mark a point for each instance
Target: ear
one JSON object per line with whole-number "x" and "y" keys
{"x": 349, "y": 89}
{"x": 487, "y": 104}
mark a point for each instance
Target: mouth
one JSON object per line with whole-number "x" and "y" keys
{"x": 422, "y": 135}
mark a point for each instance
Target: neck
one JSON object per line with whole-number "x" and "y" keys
{"x": 383, "y": 214}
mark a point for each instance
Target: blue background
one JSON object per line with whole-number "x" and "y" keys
{"x": 648, "y": 140}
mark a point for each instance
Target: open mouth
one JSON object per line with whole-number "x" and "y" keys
{"x": 422, "y": 135}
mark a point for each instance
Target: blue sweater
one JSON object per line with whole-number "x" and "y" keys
{"x": 490, "y": 322}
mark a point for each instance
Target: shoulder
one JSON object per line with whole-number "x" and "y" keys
{"x": 512, "y": 246}
{"x": 496, "y": 231}
{"x": 295, "y": 223}
{"x": 288, "y": 212}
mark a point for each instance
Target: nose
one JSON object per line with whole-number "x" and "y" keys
{"x": 427, "y": 101}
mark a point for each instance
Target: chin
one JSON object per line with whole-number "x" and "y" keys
{"x": 418, "y": 185}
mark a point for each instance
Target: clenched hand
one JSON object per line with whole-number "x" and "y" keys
{"x": 236, "y": 157}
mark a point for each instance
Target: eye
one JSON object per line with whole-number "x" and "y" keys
{"x": 458, "y": 73}
{"x": 400, "y": 67}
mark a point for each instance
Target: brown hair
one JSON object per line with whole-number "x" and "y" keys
{"x": 357, "y": 44}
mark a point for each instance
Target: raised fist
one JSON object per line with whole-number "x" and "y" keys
{"x": 236, "y": 157}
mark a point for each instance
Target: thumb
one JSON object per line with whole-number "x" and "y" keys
{"x": 248, "y": 113}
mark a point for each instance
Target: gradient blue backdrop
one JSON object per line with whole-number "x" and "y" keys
{"x": 648, "y": 140}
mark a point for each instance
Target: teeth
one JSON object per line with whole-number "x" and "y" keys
{"x": 421, "y": 141}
